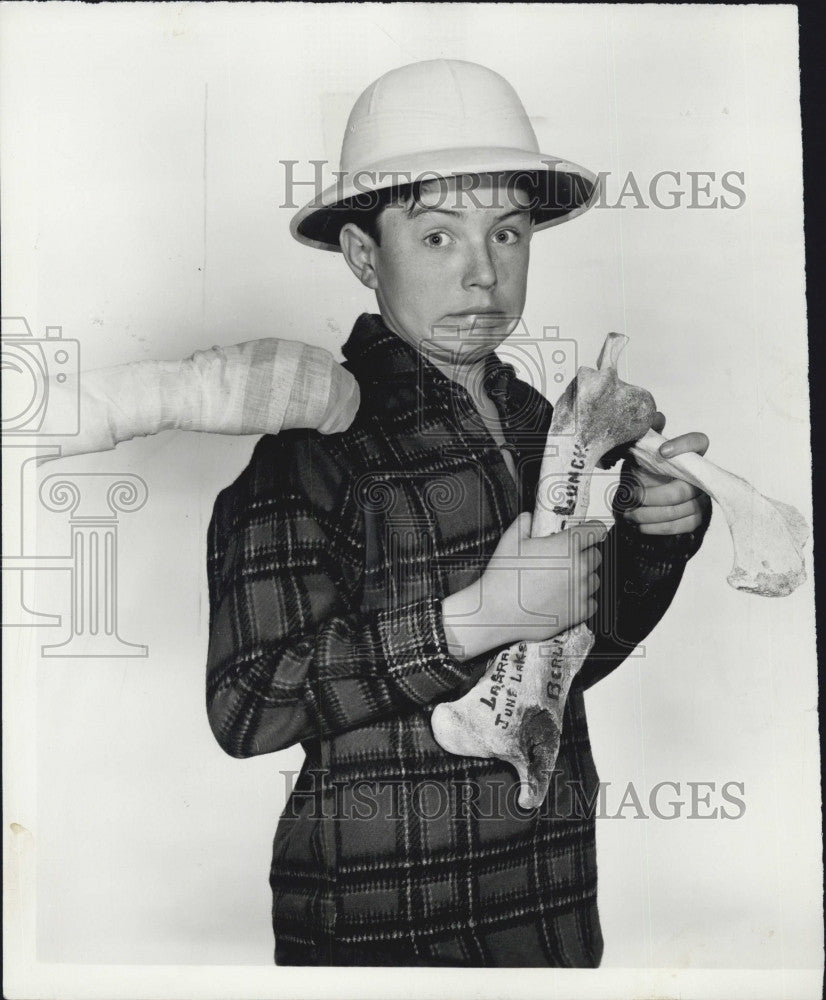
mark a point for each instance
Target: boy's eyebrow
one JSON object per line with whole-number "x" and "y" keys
{"x": 419, "y": 209}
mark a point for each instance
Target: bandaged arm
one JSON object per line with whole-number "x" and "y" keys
{"x": 258, "y": 387}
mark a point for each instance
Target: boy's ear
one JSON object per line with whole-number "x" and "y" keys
{"x": 359, "y": 251}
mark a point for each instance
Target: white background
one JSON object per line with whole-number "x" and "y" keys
{"x": 140, "y": 203}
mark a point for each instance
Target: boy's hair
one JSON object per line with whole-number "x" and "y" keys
{"x": 368, "y": 207}
{"x": 365, "y": 210}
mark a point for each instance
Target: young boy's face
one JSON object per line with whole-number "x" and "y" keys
{"x": 450, "y": 273}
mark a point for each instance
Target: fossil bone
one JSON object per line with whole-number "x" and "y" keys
{"x": 515, "y": 711}
{"x": 768, "y": 535}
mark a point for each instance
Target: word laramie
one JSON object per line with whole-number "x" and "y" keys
{"x": 507, "y": 676}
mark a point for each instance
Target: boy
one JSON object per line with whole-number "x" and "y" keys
{"x": 358, "y": 580}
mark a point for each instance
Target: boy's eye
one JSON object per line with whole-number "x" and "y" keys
{"x": 437, "y": 239}
{"x": 506, "y": 236}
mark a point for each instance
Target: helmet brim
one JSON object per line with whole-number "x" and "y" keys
{"x": 560, "y": 190}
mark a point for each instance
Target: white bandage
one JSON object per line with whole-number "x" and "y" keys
{"x": 258, "y": 387}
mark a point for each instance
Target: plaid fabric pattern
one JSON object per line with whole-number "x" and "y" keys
{"x": 328, "y": 559}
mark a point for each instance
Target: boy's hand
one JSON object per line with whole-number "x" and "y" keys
{"x": 662, "y": 505}
{"x": 531, "y": 589}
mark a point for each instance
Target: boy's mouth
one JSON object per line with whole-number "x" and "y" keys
{"x": 477, "y": 317}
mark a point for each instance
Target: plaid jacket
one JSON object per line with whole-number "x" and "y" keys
{"x": 328, "y": 558}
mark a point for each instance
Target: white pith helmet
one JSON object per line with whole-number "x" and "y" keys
{"x": 441, "y": 118}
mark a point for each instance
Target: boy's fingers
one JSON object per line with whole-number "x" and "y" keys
{"x": 693, "y": 441}
{"x": 664, "y": 495}
{"x": 669, "y": 512}
{"x": 658, "y": 422}
{"x": 672, "y": 527}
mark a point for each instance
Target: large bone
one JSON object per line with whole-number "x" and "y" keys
{"x": 257, "y": 387}
{"x": 515, "y": 710}
{"x": 768, "y": 535}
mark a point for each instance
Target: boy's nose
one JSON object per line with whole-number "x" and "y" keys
{"x": 479, "y": 271}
